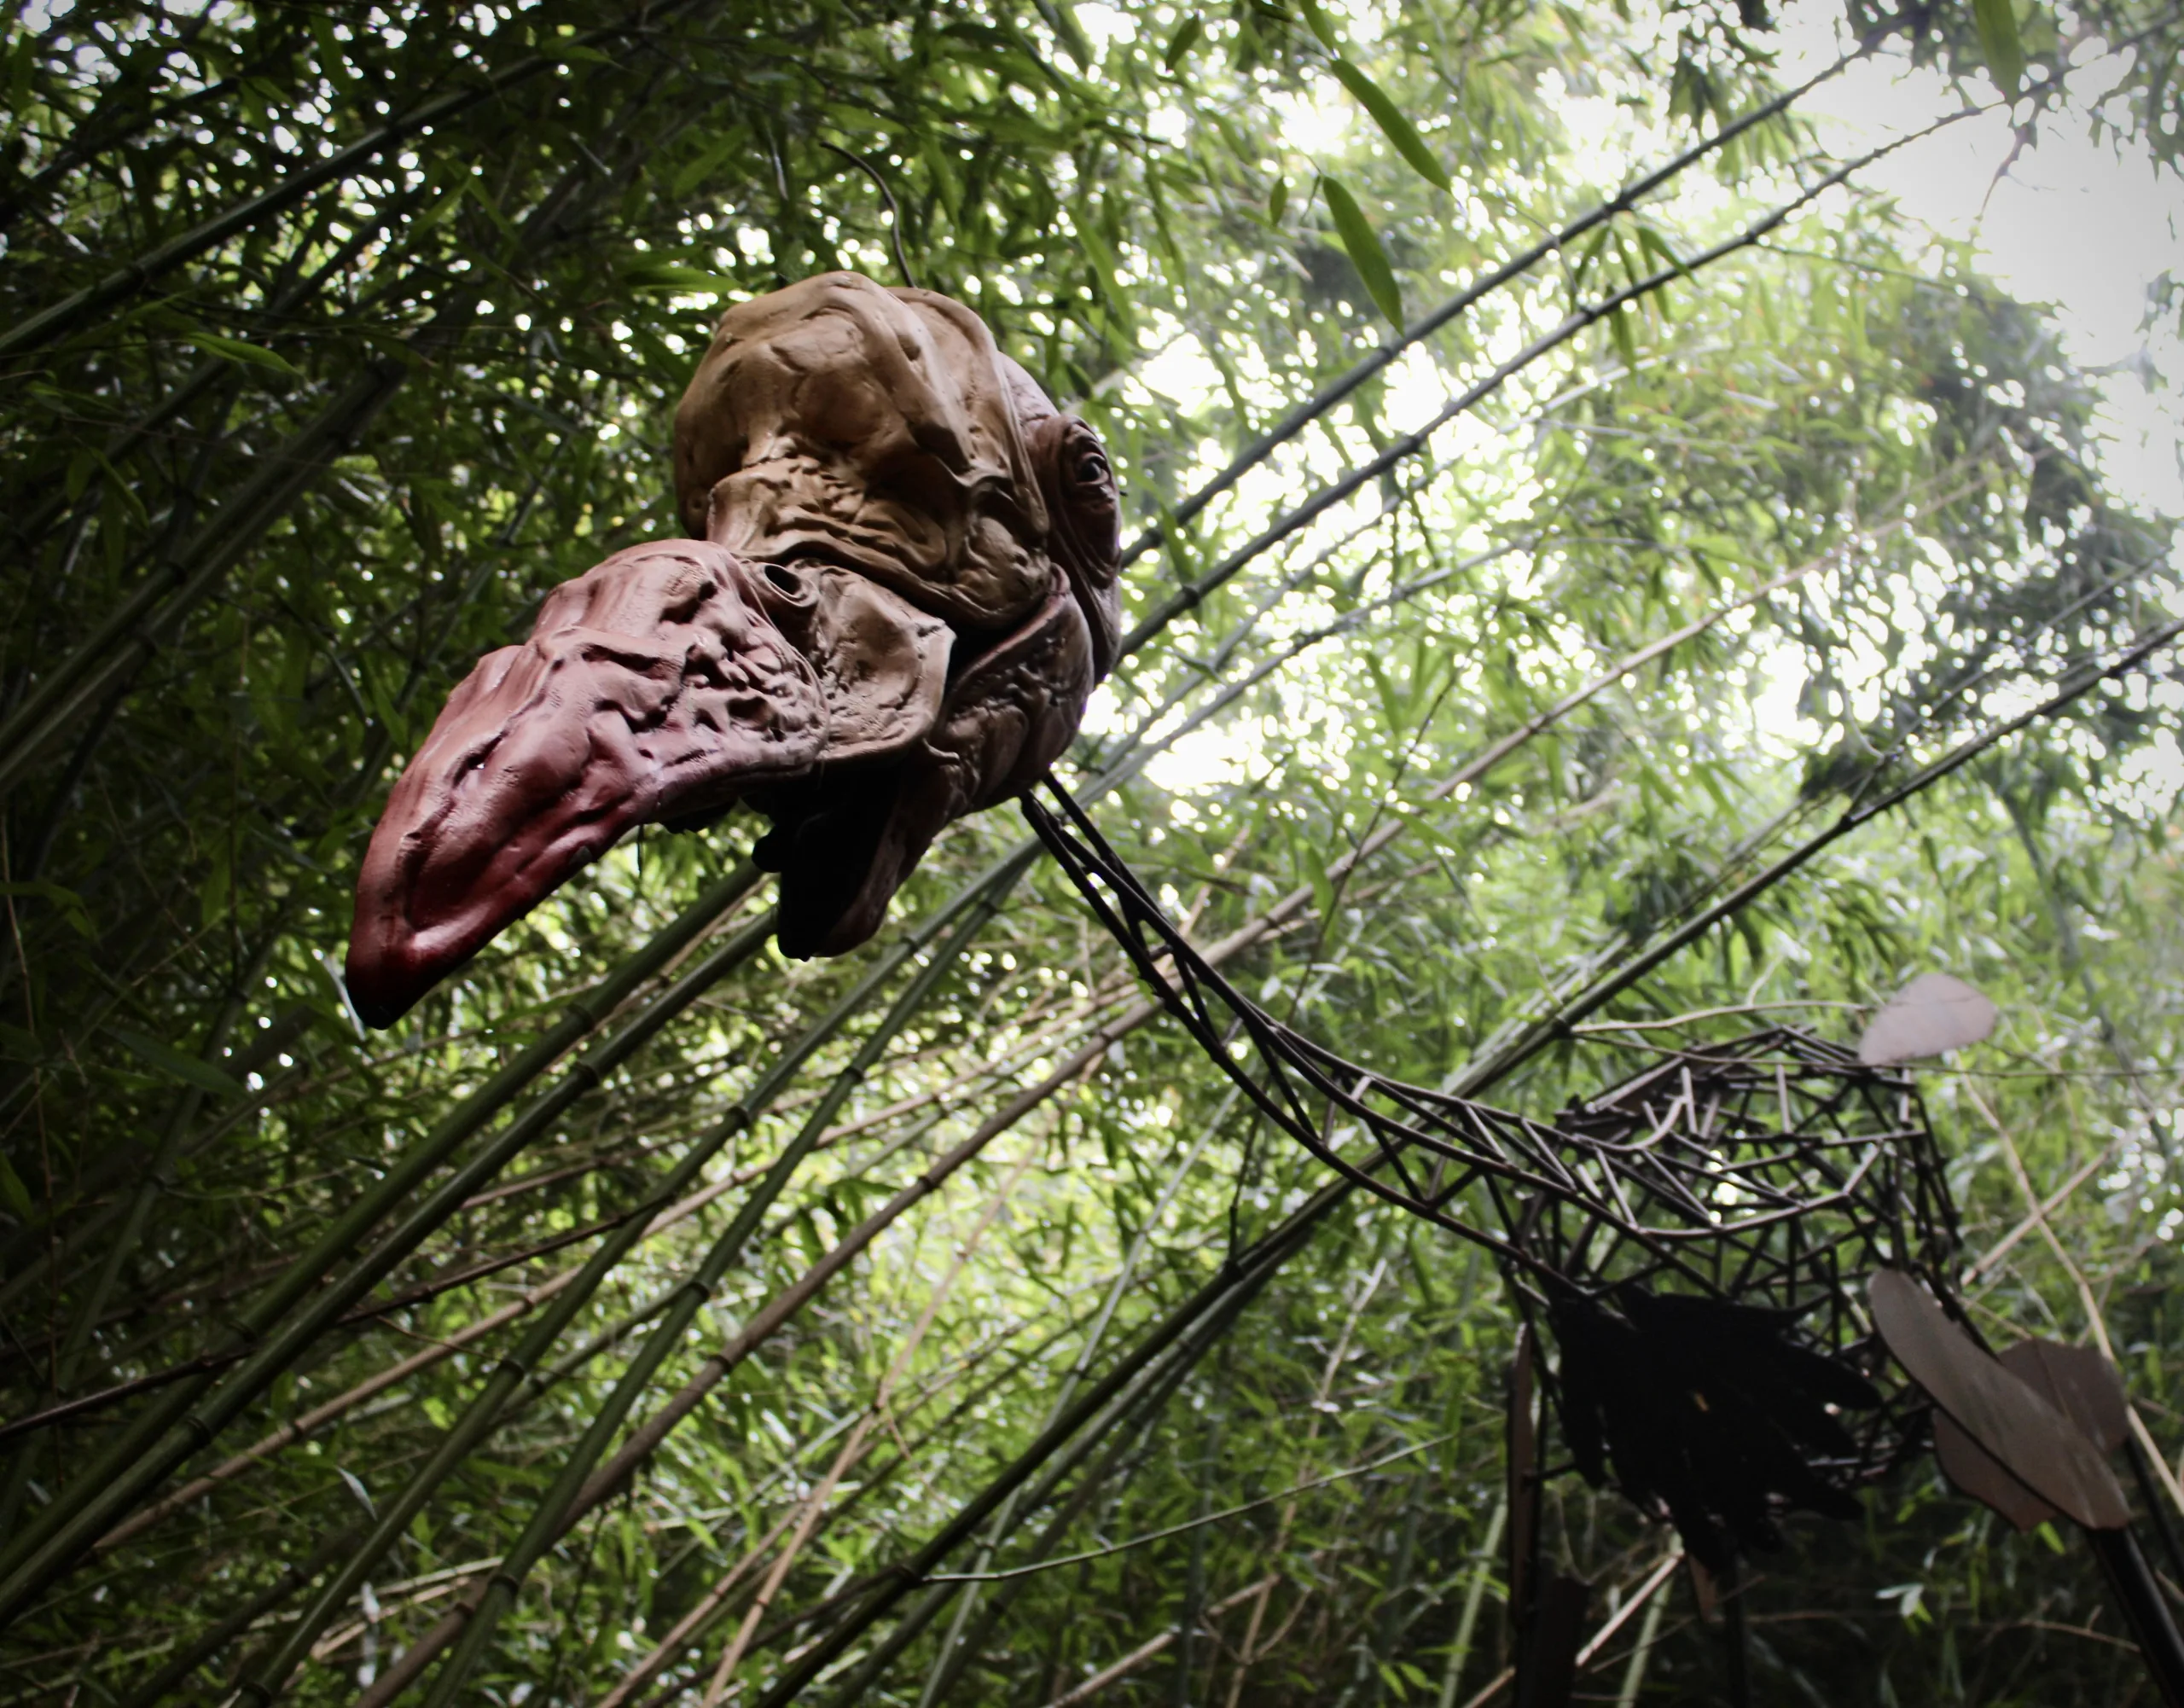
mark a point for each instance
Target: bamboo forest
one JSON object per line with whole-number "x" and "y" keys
{"x": 1612, "y": 596}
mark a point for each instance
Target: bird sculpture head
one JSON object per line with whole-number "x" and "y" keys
{"x": 899, "y": 590}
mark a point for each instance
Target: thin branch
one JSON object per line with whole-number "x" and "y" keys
{"x": 1188, "y": 1524}
{"x": 1145, "y": 1652}
{"x": 1391, "y": 348}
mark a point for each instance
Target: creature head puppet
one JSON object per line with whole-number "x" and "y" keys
{"x": 899, "y": 590}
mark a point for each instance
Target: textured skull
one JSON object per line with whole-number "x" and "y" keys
{"x": 902, "y": 590}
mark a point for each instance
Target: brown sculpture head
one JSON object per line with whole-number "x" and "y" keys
{"x": 902, "y": 589}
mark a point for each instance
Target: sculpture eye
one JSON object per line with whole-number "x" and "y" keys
{"x": 1082, "y": 493}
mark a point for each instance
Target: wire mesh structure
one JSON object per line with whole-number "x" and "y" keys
{"x": 1769, "y": 1168}
{"x": 1694, "y": 1237}
{"x": 1769, "y": 1177}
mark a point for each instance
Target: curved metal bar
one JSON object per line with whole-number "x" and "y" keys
{"x": 1771, "y": 1170}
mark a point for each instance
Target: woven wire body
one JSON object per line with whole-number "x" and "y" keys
{"x": 1773, "y": 1170}
{"x": 1766, "y": 1176}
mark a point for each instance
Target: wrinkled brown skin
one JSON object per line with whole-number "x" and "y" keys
{"x": 900, "y": 592}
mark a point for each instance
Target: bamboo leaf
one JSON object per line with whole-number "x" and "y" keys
{"x": 239, "y": 350}
{"x": 1362, "y": 245}
{"x": 1315, "y": 873}
{"x": 70, "y": 904}
{"x": 1186, "y": 37}
{"x": 1061, "y": 19}
{"x": 1624, "y": 323}
{"x": 356, "y": 1488}
{"x": 12, "y": 1191}
{"x": 2000, "y": 42}
{"x": 1393, "y": 125}
{"x": 189, "y": 1069}
{"x": 1654, "y": 244}
{"x": 1586, "y": 257}
{"x": 656, "y": 274}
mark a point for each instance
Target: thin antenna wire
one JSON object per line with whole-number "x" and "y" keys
{"x": 894, "y": 213}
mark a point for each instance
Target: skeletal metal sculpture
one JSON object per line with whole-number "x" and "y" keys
{"x": 900, "y": 590}
{"x": 1691, "y": 1237}
{"x": 1694, "y": 1237}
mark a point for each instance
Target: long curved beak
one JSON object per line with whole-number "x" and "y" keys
{"x": 662, "y": 685}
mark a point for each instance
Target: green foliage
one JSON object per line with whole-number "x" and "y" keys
{"x": 1362, "y": 245}
{"x": 312, "y": 399}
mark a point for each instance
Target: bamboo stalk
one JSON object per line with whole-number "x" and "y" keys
{"x": 158, "y": 1176}
{"x": 570, "y": 1500}
{"x": 165, "y": 1433}
{"x": 2095, "y": 1318}
{"x": 23, "y": 1461}
{"x": 129, "y": 635}
{"x": 1634, "y": 1674}
{"x": 81, "y": 149}
{"x": 309, "y": 1423}
{"x": 942, "y": 1674}
{"x": 178, "y": 1669}
{"x": 711, "y": 1604}
{"x": 1246, "y": 1651}
{"x": 1393, "y": 346}
{"x": 1640, "y": 1596}
{"x": 1137, "y": 1658}
{"x": 572, "y": 1494}
{"x": 103, "y": 666}
{"x": 1467, "y": 1621}
{"x": 1285, "y": 1498}
{"x": 1409, "y": 444}
{"x": 1853, "y": 817}
{"x": 112, "y": 1168}
{"x": 125, "y": 439}
{"x": 786, "y": 1304}
{"x": 2067, "y": 932}
{"x": 691, "y": 1624}
{"x": 854, "y": 1448}
{"x": 1241, "y": 1277}
{"x": 409, "y": 1666}
{"x": 60, "y": 318}
{"x": 1136, "y": 1400}
{"x": 265, "y": 1679}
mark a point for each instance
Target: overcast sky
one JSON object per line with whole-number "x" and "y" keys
{"x": 2084, "y": 227}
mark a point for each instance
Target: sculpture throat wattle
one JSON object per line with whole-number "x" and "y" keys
{"x": 899, "y": 593}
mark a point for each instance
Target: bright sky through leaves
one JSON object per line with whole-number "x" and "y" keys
{"x": 2086, "y": 226}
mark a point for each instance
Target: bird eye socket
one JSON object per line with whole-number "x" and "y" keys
{"x": 1082, "y": 493}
